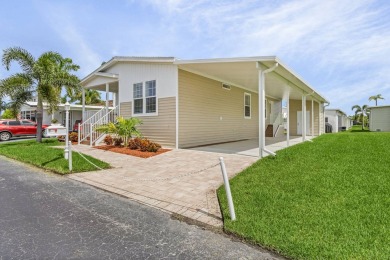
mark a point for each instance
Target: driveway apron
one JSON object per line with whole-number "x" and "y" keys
{"x": 181, "y": 182}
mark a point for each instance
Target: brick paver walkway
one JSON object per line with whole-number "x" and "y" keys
{"x": 183, "y": 182}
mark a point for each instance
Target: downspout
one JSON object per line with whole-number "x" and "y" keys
{"x": 261, "y": 111}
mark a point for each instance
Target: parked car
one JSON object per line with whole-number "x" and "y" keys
{"x": 12, "y": 128}
{"x": 76, "y": 125}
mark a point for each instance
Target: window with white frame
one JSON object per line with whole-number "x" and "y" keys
{"x": 247, "y": 105}
{"x": 150, "y": 96}
{"x": 144, "y": 97}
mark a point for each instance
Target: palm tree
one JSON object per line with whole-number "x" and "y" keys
{"x": 45, "y": 76}
{"x": 379, "y": 96}
{"x": 91, "y": 97}
{"x": 360, "y": 111}
{"x": 19, "y": 97}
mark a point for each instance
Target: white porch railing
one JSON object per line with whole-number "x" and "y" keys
{"x": 84, "y": 131}
{"x": 277, "y": 122}
{"x": 107, "y": 118}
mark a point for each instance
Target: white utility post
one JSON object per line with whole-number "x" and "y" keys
{"x": 262, "y": 108}
{"x": 70, "y": 157}
{"x": 227, "y": 189}
{"x": 67, "y": 107}
{"x": 303, "y": 117}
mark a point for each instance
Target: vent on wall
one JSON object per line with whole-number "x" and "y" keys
{"x": 378, "y": 130}
{"x": 226, "y": 86}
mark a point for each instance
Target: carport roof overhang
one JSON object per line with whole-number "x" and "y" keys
{"x": 244, "y": 73}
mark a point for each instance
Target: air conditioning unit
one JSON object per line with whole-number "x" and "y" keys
{"x": 226, "y": 86}
{"x": 378, "y": 130}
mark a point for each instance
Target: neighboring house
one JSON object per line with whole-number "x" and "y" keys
{"x": 28, "y": 111}
{"x": 380, "y": 118}
{"x": 338, "y": 119}
{"x": 188, "y": 103}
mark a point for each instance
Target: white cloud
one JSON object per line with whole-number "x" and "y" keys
{"x": 66, "y": 29}
{"x": 344, "y": 44}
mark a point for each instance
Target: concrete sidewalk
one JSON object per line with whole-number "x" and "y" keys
{"x": 181, "y": 182}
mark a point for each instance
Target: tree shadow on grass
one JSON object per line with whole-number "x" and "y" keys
{"x": 360, "y": 131}
{"x": 52, "y": 160}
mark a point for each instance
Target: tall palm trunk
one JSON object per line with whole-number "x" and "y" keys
{"x": 39, "y": 118}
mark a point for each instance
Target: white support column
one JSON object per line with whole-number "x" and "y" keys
{"x": 262, "y": 109}
{"x": 107, "y": 95}
{"x": 83, "y": 104}
{"x": 303, "y": 117}
{"x": 261, "y": 114}
{"x": 114, "y": 99}
{"x": 288, "y": 119}
{"x": 312, "y": 117}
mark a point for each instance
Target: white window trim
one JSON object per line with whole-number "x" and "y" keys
{"x": 144, "y": 101}
{"x": 250, "y": 105}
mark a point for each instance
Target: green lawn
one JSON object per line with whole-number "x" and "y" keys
{"x": 329, "y": 199}
{"x": 45, "y": 156}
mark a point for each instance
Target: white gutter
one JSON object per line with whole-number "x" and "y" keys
{"x": 262, "y": 111}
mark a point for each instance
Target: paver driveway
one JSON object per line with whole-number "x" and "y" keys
{"x": 180, "y": 181}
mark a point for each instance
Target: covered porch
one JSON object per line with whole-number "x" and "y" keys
{"x": 105, "y": 82}
{"x": 250, "y": 147}
{"x": 274, "y": 88}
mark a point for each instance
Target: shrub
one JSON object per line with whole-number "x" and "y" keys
{"x": 73, "y": 137}
{"x": 144, "y": 145}
{"x": 108, "y": 140}
{"x": 61, "y": 138}
{"x": 118, "y": 141}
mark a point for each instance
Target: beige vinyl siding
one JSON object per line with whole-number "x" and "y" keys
{"x": 210, "y": 114}
{"x": 161, "y": 128}
{"x": 295, "y": 106}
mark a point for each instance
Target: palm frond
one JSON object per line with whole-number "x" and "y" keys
{"x": 19, "y": 55}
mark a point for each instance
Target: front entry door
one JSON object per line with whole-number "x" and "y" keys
{"x": 299, "y": 122}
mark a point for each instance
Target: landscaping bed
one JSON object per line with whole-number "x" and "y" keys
{"x": 126, "y": 150}
{"x": 328, "y": 199}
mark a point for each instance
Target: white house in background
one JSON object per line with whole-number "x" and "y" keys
{"x": 189, "y": 103}
{"x": 338, "y": 119}
{"x": 28, "y": 111}
{"x": 380, "y": 118}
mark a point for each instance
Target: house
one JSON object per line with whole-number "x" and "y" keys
{"x": 28, "y": 111}
{"x": 380, "y": 118}
{"x": 189, "y": 103}
{"x": 338, "y": 119}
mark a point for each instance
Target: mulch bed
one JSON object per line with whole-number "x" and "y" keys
{"x": 125, "y": 150}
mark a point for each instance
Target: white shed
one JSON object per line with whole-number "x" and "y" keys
{"x": 338, "y": 119}
{"x": 380, "y": 118}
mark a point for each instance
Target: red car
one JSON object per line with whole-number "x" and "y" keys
{"x": 24, "y": 127}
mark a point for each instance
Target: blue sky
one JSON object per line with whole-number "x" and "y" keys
{"x": 341, "y": 47}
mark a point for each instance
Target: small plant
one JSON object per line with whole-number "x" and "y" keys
{"x": 61, "y": 138}
{"x": 54, "y": 121}
{"x": 108, "y": 140}
{"x": 144, "y": 145}
{"x": 73, "y": 137}
{"x": 118, "y": 141}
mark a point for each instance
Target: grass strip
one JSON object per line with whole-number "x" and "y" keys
{"x": 44, "y": 155}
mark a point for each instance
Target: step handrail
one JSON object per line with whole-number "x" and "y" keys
{"x": 107, "y": 118}
{"x": 84, "y": 127}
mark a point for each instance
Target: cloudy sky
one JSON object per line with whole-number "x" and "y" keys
{"x": 341, "y": 47}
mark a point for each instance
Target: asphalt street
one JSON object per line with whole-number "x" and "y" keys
{"x": 47, "y": 216}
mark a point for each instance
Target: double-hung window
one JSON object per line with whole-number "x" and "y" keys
{"x": 138, "y": 98}
{"x": 247, "y": 105}
{"x": 144, "y": 97}
{"x": 150, "y": 96}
